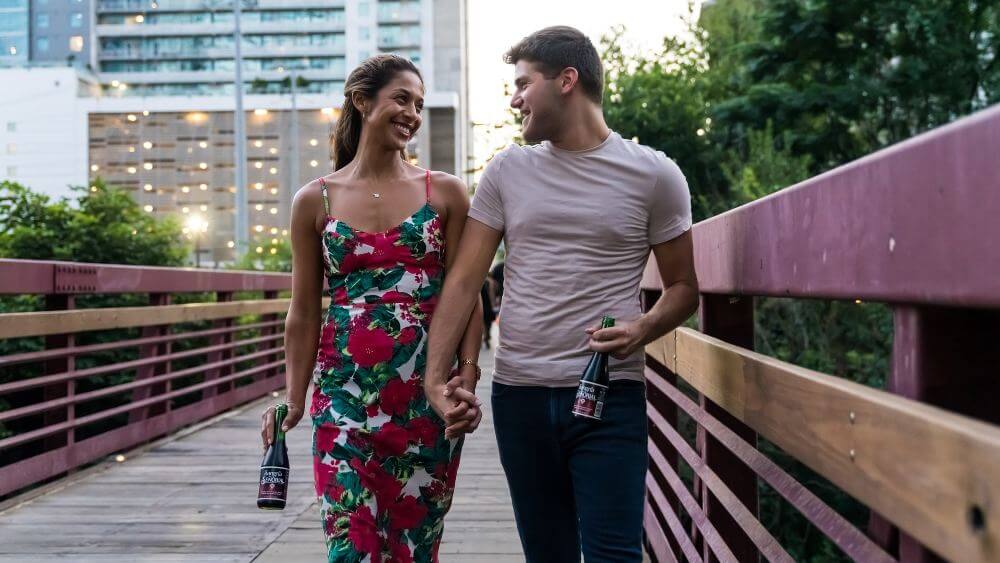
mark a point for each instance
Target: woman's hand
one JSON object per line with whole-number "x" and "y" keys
{"x": 293, "y": 417}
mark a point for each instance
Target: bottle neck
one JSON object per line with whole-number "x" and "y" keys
{"x": 279, "y": 418}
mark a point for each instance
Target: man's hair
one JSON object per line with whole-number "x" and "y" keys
{"x": 555, "y": 48}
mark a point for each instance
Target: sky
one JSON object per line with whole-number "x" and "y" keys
{"x": 495, "y": 25}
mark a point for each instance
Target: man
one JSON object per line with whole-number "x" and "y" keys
{"x": 579, "y": 214}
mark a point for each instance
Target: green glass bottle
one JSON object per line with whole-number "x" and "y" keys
{"x": 594, "y": 382}
{"x": 273, "y": 489}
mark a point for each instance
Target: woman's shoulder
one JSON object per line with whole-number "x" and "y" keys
{"x": 448, "y": 185}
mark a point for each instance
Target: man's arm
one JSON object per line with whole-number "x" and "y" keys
{"x": 461, "y": 290}
{"x": 679, "y": 300}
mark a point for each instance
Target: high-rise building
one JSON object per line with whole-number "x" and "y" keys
{"x": 164, "y": 125}
{"x": 14, "y": 32}
{"x": 62, "y": 32}
{"x": 157, "y": 110}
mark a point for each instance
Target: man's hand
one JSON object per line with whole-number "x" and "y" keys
{"x": 621, "y": 340}
{"x": 455, "y": 404}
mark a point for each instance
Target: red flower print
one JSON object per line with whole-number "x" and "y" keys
{"x": 390, "y": 440}
{"x": 340, "y": 295}
{"x": 396, "y": 297}
{"x": 386, "y": 249}
{"x": 435, "y": 491}
{"x": 320, "y": 403}
{"x": 385, "y": 487}
{"x": 369, "y": 347}
{"x": 423, "y": 430}
{"x": 395, "y": 397}
{"x": 362, "y": 532}
{"x": 326, "y": 437}
{"x": 407, "y": 335}
{"x": 400, "y": 552}
{"x": 371, "y": 410}
{"x": 326, "y": 481}
{"x": 359, "y": 439}
{"x": 406, "y": 513}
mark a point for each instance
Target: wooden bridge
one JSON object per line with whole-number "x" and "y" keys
{"x": 129, "y": 395}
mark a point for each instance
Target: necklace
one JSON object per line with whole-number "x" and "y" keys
{"x": 376, "y": 195}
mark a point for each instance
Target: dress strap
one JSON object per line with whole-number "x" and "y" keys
{"x": 427, "y": 191}
{"x": 326, "y": 201}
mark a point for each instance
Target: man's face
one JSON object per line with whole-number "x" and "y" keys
{"x": 538, "y": 100}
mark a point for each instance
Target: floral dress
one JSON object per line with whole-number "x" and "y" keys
{"x": 384, "y": 470}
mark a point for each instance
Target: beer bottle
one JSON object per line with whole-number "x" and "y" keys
{"x": 273, "y": 489}
{"x": 594, "y": 382}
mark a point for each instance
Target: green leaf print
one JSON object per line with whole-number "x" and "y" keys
{"x": 383, "y": 316}
{"x": 342, "y": 551}
{"x": 391, "y": 278}
{"x": 347, "y": 405}
{"x": 403, "y": 353}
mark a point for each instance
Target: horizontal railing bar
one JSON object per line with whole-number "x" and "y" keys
{"x": 853, "y": 232}
{"x": 656, "y": 536}
{"x": 47, "y": 323}
{"x": 673, "y": 522}
{"x": 761, "y": 538}
{"x": 701, "y": 521}
{"x": 57, "y": 277}
{"x": 39, "y": 467}
{"x": 42, "y": 355}
{"x": 844, "y": 535}
{"x": 132, "y": 385}
{"x": 923, "y": 468}
{"x": 133, "y": 364}
{"x": 83, "y": 421}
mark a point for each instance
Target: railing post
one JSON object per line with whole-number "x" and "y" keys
{"x": 728, "y": 318}
{"x": 668, "y": 410}
{"x": 148, "y": 371}
{"x": 944, "y": 357}
{"x": 217, "y": 340}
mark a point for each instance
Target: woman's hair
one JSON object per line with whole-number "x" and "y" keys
{"x": 367, "y": 79}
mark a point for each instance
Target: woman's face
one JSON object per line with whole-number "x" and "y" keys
{"x": 394, "y": 114}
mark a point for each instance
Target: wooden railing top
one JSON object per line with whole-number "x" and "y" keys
{"x": 900, "y": 225}
{"x": 54, "y": 277}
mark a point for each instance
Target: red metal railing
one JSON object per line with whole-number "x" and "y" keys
{"x": 78, "y": 382}
{"x": 914, "y": 226}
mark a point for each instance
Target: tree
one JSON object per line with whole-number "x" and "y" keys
{"x": 105, "y": 225}
{"x": 847, "y": 77}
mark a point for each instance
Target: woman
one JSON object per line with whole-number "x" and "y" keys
{"x": 378, "y": 228}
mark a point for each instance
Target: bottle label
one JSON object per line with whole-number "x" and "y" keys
{"x": 273, "y": 483}
{"x": 590, "y": 400}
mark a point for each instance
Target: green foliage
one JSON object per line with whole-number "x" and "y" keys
{"x": 764, "y": 167}
{"x": 847, "y": 77}
{"x": 102, "y": 225}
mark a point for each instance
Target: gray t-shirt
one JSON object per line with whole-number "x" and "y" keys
{"x": 577, "y": 226}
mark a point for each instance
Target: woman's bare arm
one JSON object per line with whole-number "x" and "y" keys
{"x": 302, "y": 325}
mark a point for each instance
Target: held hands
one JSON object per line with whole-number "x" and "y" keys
{"x": 293, "y": 417}
{"x": 621, "y": 340}
{"x": 456, "y": 403}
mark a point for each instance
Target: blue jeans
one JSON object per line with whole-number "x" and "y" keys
{"x": 575, "y": 482}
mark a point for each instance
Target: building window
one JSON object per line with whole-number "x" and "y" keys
{"x": 42, "y": 44}
{"x": 76, "y": 20}
{"x": 364, "y": 33}
{"x": 12, "y": 171}
{"x": 364, "y": 8}
{"x": 11, "y": 148}
{"x": 42, "y": 21}
{"x": 11, "y": 126}
{"x": 76, "y": 43}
